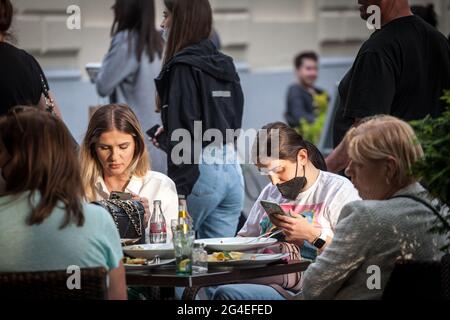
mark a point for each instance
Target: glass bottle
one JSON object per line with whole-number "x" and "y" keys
{"x": 158, "y": 228}
{"x": 199, "y": 259}
{"x": 185, "y": 222}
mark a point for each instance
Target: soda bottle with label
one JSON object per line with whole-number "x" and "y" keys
{"x": 158, "y": 229}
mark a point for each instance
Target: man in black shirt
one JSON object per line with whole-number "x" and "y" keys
{"x": 402, "y": 70}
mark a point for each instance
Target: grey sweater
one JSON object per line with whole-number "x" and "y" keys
{"x": 372, "y": 233}
{"x": 134, "y": 83}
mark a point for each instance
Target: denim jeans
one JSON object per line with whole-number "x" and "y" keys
{"x": 217, "y": 199}
{"x": 246, "y": 292}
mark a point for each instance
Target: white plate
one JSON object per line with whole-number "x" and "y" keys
{"x": 237, "y": 244}
{"x": 131, "y": 267}
{"x": 250, "y": 260}
{"x": 149, "y": 251}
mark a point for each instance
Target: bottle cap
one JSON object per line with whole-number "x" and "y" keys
{"x": 157, "y": 202}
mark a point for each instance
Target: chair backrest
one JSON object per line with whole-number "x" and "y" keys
{"x": 54, "y": 285}
{"x": 426, "y": 280}
{"x": 445, "y": 277}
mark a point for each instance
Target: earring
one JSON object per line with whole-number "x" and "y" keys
{"x": 388, "y": 182}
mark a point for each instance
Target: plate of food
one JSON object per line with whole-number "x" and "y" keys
{"x": 133, "y": 264}
{"x": 237, "y": 244}
{"x": 149, "y": 251}
{"x": 239, "y": 259}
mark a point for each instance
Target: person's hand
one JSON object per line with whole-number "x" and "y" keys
{"x": 157, "y": 134}
{"x": 296, "y": 229}
{"x": 146, "y": 205}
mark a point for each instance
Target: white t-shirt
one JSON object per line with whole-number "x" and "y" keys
{"x": 321, "y": 204}
{"x": 154, "y": 186}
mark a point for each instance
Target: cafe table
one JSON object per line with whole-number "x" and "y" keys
{"x": 165, "y": 276}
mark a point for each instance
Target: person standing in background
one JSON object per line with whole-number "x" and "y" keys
{"x": 133, "y": 61}
{"x": 402, "y": 70}
{"x": 302, "y": 95}
{"x": 200, "y": 85}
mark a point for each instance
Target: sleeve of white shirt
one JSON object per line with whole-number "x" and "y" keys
{"x": 252, "y": 227}
{"x": 346, "y": 194}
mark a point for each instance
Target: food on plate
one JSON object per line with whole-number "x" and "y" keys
{"x": 137, "y": 248}
{"x": 134, "y": 262}
{"x": 225, "y": 256}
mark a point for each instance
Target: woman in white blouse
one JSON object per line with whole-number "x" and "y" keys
{"x": 114, "y": 159}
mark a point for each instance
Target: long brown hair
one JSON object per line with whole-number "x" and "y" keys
{"x": 286, "y": 142}
{"x": 41, "y": 159}
{"x": 139, "y": 16}
{"x": 191, "y": 23}
{"x": 108, "y": 118}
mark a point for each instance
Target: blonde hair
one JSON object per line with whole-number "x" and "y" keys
{"x": 381, "y": 137}
{"x": 108, "y": 118}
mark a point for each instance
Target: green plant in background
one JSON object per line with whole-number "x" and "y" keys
{"x": 313, "y": 131}
{"x": 434, "y": 169}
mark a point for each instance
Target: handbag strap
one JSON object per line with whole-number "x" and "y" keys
{"x": 50, "y": 103}
{"x": 428, "y": 205}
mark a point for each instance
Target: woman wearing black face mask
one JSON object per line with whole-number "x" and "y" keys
{"x": 302, "y": 187}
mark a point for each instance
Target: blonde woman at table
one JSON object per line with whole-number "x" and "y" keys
{"x": 44, "y": 225}
{"x": 114, "y": 159}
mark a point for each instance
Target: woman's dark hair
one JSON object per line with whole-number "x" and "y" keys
{"x": 139, "y": 16}
{"x": 41, "y": 159}
{"x": 287, "y": 146}
{"x": 191, "y": 23}
{"x": 6, "y": 15}
{"x": 427, "y": 13}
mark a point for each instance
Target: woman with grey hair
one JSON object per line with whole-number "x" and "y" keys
{"x": 391, "y": 223}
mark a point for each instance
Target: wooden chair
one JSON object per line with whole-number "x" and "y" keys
{"x": 52, "y": 285}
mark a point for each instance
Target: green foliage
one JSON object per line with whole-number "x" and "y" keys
{"x": 313, "y": 131}
{"x": 434, "y": 169}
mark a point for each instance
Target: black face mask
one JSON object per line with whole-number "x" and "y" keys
{"x": 292, "y": 188}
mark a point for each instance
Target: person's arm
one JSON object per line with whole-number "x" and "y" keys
{"x": 298, "y": 230}
{"x": 324, "y": 278}
{"x": 184, "y": 111}
{"x": 119, "y": 63}
{"x": 371, "y": 92}
{"x": 117, "y": 289}
{"x": 111, "y": 246}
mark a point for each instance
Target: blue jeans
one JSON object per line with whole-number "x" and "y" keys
{"x": 217, "y": 200}
{"x": 246, "y": 292}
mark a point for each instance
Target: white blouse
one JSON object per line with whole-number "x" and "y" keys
{"x": 154, "y": 186}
